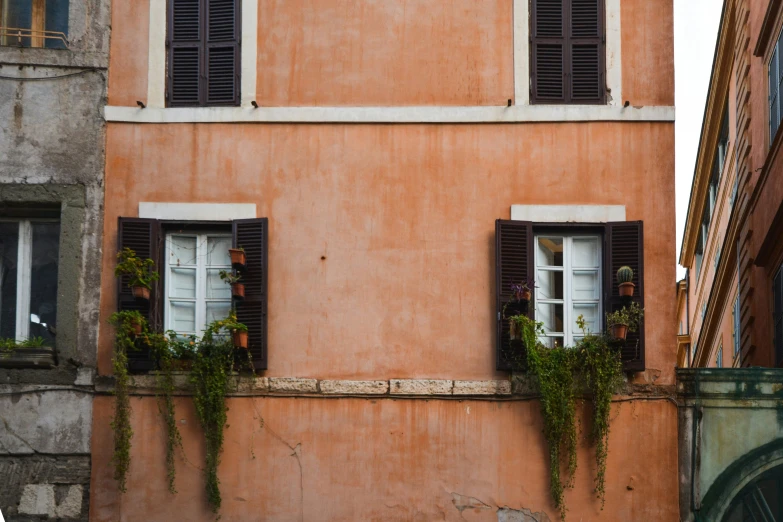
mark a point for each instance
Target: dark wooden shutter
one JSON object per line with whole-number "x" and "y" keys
{"x": 185, "y": 20}
{"x": 548, "y": 49}
{"x": 567, "y": 51}
{"x": 514, "y": 263}
{"x": 222, "y": 61}
{"x": 251, "y": 234}
{"x": 624, "y": 246}
{"x": 203, "y": 58}
{"x": 142, "y": 236}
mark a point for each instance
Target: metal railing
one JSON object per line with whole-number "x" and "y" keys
{"x": 8, "y": 34}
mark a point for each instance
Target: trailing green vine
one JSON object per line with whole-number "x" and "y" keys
{"x": 210, "y": 377}
{"x": 560, "y": 372}
{"x": 126, "y": 324}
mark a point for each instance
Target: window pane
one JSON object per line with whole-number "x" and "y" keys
{"x": 43, "y": 287}
{"x": 9, "y": 244}
{"x": 217, "y": 251}
{"x": 183, "y": 317}
{"x": 217, "y": 310}
{"x": 587, "y": 252}
{"x": 17, "y": 14}
{"x": 585, "y": 285}
{"x": 590, "y": 313}
{"x": 183, "y": 250}
{"x": 550, "y": 284}
{"x": 552, "y": 342}
{"x": 552, "y": 317}
{"x": 550, "y": 251}
{"x": 183, "y": 283}
{"x": 56, "y": 20}
{"x": 216, "y": 287}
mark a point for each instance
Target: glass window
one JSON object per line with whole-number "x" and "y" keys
{"x": 29, "y": 255}
{"x": 34, "y": 23}
{"x": 568, "y": 277}
{"x": 195, "y": 294}
{"x": 775, "y": 77}
{"x": 719, "y": 357}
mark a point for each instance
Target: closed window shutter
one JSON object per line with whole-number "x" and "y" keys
{"x": 251, "y": 235}
{"x": 586, "y": 51}
{"x": 141, "y": 236}
{"x": 567, "y": 50}
{"x": 548, "y": 51}
{"x": 185, "y": 52}
{"x": 222, "y": 61}
{"x": 513, "y": 264}
{"x": 625, "y": 247}
{"x": 203, "y": 42}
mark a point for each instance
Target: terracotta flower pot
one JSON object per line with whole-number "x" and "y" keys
{"x": 237, "y": 257}
{"x": 619, "y": 331}
{"x": 526, "y": 295}
{"x": 238, "y": 290}
{"x": 141, "y": 292}
{"x": 136, "y": 328}
{"x": 626, "y": 289}
{"x": 240, "y": 339}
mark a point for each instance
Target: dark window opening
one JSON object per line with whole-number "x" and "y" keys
{"x": 34, "y": 23}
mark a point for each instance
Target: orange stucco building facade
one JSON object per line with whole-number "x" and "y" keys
{"x": 386, "y": 141}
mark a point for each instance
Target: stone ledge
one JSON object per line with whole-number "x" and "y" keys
{"x": 355, "y": 387}
{"x": 420, "y": 387}
{"x": 293, "y": 385}
{"x": 482, "y": 388}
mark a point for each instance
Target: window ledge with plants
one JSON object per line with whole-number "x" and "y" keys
{"x": 590, "y": 371}
{"x": 29, "y": 353}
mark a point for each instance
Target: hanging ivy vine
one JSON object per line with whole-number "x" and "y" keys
{"x": 561, "y": 373}
{"x": 126, "y": 324}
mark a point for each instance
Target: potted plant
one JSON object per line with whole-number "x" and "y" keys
{"x": 524, "y": 290}
{"x": 237, "y": 329}
{"x": 237, "y": 258}
{"x": 237, "y": 288}
{"x": 626, "y": 319}
{"x": 141, "y": 272}
{"x": 625, "y": 278}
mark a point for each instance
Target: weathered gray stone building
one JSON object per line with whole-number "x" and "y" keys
{"x": 53, "y": 81}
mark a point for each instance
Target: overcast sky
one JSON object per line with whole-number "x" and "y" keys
{"x": 695, "y": 32}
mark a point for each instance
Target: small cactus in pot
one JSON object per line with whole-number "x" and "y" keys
{"x": 625, "y": 280}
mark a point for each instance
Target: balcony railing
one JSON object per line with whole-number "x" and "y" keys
{"x": 17, "y": 36}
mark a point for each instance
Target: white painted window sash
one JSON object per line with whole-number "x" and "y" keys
{"x": 24, "y": 279}
{"x": 568, "y": 301}
{"x": 201, "y": 267}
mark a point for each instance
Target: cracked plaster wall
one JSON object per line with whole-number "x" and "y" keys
{"x": 52, "y": 151}
{"x": 303, "y": 459}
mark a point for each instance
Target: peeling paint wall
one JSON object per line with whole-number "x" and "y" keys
{"x": 52, "y": 142}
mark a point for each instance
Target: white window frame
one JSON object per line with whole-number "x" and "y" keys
{"x": 24, "y": 263}
{"x": 568, "y": 301}
{"x": 201, "y": 268}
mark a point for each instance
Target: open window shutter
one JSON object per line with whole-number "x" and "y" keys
{"x": 548, "y": 51}
{"x": 251, "y": 234}
{"x": 141, "y": 236}
{"x": 586, "y": 51}
{"x": 184, "y": 53}
{"x": 222, "y": 52}
{"x": 513, "y": 264}
{"x": 625, "y": 247}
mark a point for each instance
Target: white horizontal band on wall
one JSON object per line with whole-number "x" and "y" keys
{"x": 568, "y": 213}
{"x": 424, "y": 114}
{"x": 196, "y": 211}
